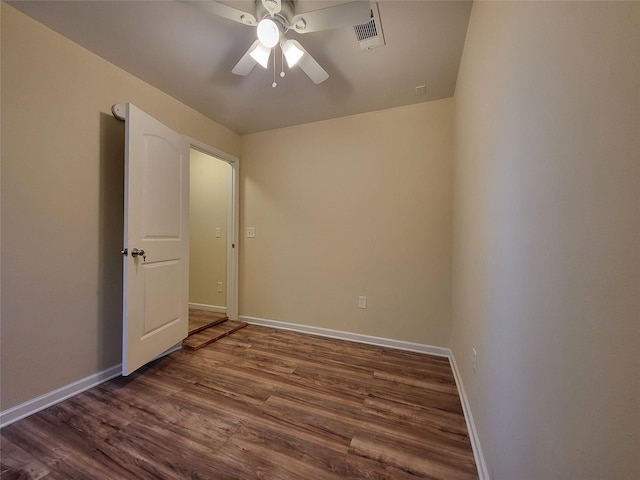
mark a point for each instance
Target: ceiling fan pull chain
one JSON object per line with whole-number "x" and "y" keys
{"x": 282, "y": 62}
{"x": 274, "y": 84}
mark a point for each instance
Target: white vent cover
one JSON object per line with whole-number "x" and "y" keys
{"x": 369, "y": 35}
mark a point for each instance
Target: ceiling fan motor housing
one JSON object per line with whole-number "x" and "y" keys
{"x": 287, "y": 10}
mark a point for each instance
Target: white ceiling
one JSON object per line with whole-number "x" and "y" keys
{"x": 189, "y": 54}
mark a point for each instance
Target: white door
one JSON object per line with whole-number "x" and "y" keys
{"x": 156, "y": 239}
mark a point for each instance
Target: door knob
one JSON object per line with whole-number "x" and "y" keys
{"x": 135, "y": 253}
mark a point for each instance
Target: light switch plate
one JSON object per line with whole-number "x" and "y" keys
{"x": 362, "y": 301}
{"x": 251, "y": 232}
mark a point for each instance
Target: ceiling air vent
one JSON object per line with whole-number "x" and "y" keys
{"x": 369, "y": 35}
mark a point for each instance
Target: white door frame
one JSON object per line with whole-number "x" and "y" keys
{"x": 232, "y": 223}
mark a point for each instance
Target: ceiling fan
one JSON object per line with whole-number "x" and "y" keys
{"x": 274, "y": 18}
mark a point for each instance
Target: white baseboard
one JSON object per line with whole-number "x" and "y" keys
{"x": 208, "y": 308}
{"x": 30, "y": 407}
{"x": 351, "y": 337}
{"x": 483, "y": 473}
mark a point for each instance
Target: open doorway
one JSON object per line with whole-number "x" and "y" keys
{"x": 213, "y": 231}
{"x": 212, "y": 249}
{"x": 209, "y": 192}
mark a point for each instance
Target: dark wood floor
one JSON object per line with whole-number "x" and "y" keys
{"x": 202, "y": 319}
{"x": 258, "y": 404}
{"x": 206, "y": 327}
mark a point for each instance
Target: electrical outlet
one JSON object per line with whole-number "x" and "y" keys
{"x": 251, "y": 232}
{"x": 362, "y": 302}
{"x": 219, "y": 287}
{"x": 475, "y": 360}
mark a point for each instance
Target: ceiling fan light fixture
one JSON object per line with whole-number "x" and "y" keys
{"x": 268, "y": 33}
{"x": 261, "y": 54}
{"x": 291, "y": 52}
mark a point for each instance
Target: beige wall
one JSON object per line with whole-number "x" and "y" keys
{"x": 546, "y": 201}
{"x": 354, "y": 206}
{"x": 210, "y": 181}
{"x": 62, "y": 161}
{"x": 546, "y": 237}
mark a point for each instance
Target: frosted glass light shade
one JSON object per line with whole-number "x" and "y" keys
{"x": 291, "y": 52}
{"x": 261, "y": 54}
{"x": 268, "y": 33}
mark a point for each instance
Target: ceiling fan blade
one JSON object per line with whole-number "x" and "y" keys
{"x": 345, "y": 15}
{"x": 225, "y": 11}
{"x": 246, "y": 63}
{"x": 309, "y": 66}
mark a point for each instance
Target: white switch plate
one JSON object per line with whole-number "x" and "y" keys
{"x": 218, "y": 232}
{"x": 362, "y": 302}
{"x": 251, "y": 232}
{"x": 219, "y": 287}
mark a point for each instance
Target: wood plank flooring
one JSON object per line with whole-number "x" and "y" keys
{"x": 206, "y": 327}
{"x": 258, "y": 404}
{"x": 202, "y": 319}
{"x": 211, "y": 334}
